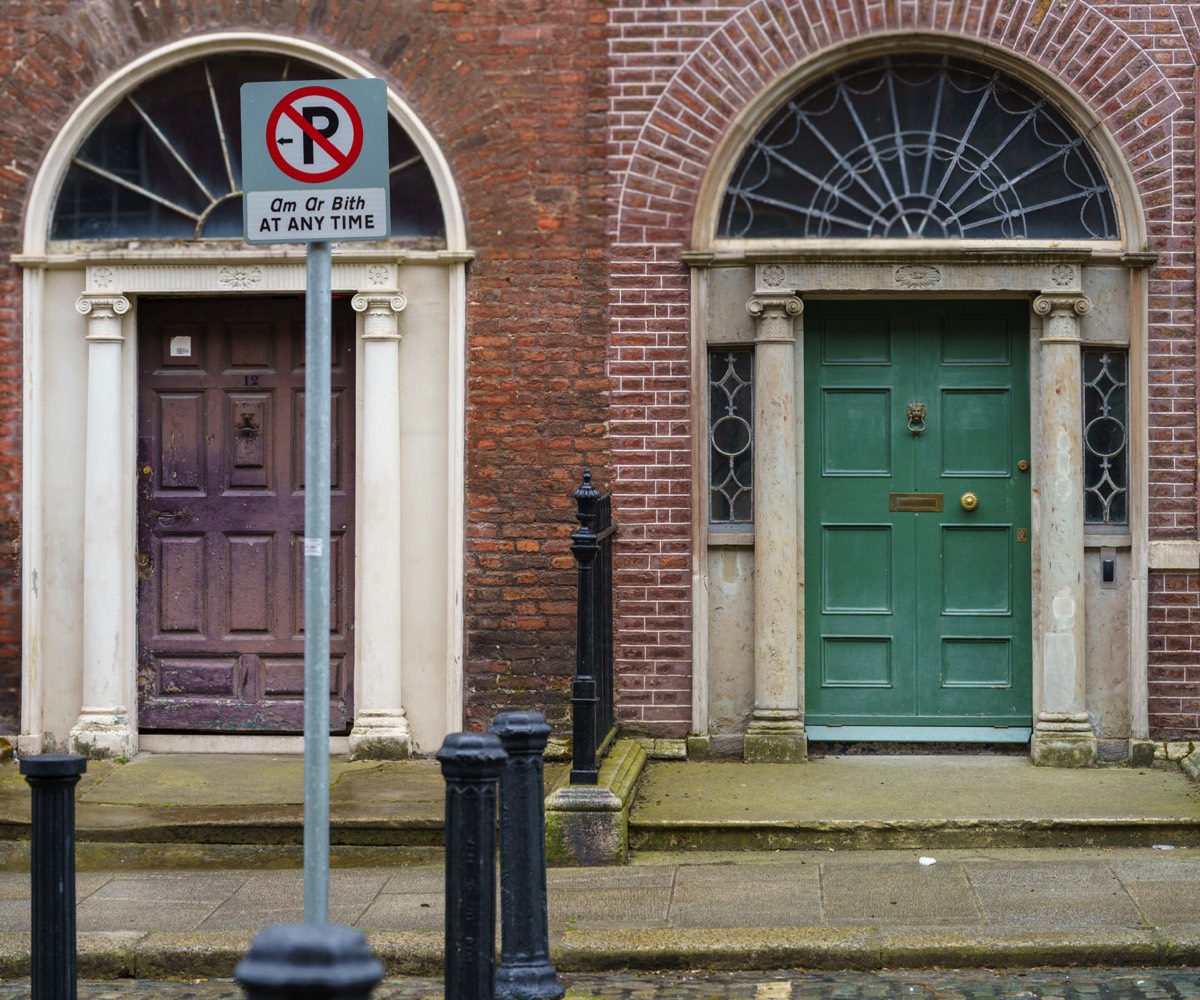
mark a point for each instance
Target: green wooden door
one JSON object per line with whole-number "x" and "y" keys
{"x": 915, "y": 617}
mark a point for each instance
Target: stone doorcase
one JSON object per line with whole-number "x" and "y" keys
{"x": 1088, "y": 645}
{"x": 80, "y": 560}
{"x": 1089, "y": 648}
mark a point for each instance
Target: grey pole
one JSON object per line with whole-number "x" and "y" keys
{"x": 52, "y": 778}
{"x": 525, "y": 971}
{"x": 317, "y": 351}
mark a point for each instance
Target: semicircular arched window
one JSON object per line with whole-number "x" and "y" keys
{"x": 918, "y": 146}
{"x": 165, "y": 163}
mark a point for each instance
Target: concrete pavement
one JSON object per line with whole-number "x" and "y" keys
{"x": 184, "y": 858}
{"x": 756, "y": 910}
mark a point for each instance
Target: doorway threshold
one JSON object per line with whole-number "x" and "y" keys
{"x": 919, "y": 734}
{"x": 231, "y": 743}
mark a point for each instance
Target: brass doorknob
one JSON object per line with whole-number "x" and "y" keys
{"x": 969, "y": 501}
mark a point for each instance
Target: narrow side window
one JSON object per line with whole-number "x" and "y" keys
{"x": 731, "y": 436}
{"x": 1105, "y": 437}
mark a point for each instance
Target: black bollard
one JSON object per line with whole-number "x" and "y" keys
{"x": 525, "y": 972}
{"x": 52, "y": 778}
{"x": 309, "y": 962}
{"x": 471, "y": 764}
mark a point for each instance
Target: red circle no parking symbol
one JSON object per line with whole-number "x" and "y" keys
{"x": 314, "y": 134}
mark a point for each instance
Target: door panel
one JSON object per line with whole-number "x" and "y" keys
{"x": 221, "y": 515}
{"x": 918, "y": 610}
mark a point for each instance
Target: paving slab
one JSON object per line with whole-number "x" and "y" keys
{"x": 414, "y": 911}
{"x": 900, "y": 893}
{"x": 1077, "y": 895}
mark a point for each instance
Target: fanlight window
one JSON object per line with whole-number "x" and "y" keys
{"x": 165, "y": 163}
{"x": 914, "y": 147}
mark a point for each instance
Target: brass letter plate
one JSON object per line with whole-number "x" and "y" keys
{"x": 915, "y": 503}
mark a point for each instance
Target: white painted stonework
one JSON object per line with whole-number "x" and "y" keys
{"x": 79, "y": 686}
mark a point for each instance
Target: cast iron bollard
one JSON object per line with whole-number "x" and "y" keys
{"x": 525, "y": 971}
{"x": 471, "y": 763}
{"x": 309, "y": 962}
{"x": 584, "y": 697}
{"x": 592, "y": 688}
{"x": 52, "y": 778}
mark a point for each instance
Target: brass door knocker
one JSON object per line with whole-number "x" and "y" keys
{"x": 916, "y": 418}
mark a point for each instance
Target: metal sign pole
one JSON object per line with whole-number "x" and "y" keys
{"x": 317, "y": 406}
{"x": 314, "y": 170}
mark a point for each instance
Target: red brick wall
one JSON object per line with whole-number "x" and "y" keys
{"x": 16, "y": 168}
{"x": 1174, "y": 667}
{"x": 683, "y": 73}
{"x": 579, "y": 134}
{"x": 10, "y": 496}
{"x": 514, "y": 92}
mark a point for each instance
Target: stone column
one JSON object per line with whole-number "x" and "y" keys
{"x": 381, "y": 730}
{"x": 1063, "y": 735}
{"x": 776, "y": 730}
{"x": 104, "y": 728}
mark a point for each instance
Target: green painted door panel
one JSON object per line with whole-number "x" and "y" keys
{"x": 917, "y": 618}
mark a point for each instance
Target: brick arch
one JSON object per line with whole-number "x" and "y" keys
{"x": 728, "y": 82}
{"x": 76, "y": 49}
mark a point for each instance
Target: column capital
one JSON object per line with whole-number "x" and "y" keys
{"x": 1058, "y": 304}
{"x": 383, "y": 310}
{"x": 761, "y": 304}
{"x": 774, "y": 313}
{"x": 104, "y": 311}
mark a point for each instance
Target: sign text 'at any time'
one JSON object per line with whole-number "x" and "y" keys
{"x": 339, "y": 212}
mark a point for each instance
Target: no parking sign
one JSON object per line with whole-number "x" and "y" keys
{"x": 315, "y": 161}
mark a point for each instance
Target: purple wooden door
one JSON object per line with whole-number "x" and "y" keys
{"x": 221, "y": 515}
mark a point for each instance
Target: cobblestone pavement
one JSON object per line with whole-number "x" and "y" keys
{"x": 1038, "y": 984}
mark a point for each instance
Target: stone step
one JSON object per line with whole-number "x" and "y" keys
{"x": 909, "y": 802}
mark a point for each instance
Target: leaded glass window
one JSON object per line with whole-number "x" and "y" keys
{"x": 919, "y": 146}
{"x": 731, "y": 436}
{"x": 1105, "y": 437}
{"x": 165, "y": 163}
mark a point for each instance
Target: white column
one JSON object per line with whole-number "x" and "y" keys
{"x": 776, "y": 730}
{"x": 1063, "y": 735}
{"x": 381, "y": 730}
{"x": 104, "y": 728}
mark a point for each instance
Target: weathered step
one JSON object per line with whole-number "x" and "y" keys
{"x": 909, "y": 802}
{"x": 234, "y": 810}
{"x": 237, "y": 811}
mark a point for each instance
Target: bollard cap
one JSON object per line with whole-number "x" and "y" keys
{"x": 522, "y": 732}
{"x": 309, "y": 960}
{"x": 53, "y": 765}
{"x": 472, "y": 755}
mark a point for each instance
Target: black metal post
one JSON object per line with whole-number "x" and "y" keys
{"x": 525, "y": 972}
{"x": 309, "y": 962}
{"x": 52, "y": 778}
{"x": 584, "y": 547}
{"x": 471, "y": 764}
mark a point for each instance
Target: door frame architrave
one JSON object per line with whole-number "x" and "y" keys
{"x": 121, "y": 278}
{"x": 895, "y": 270}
